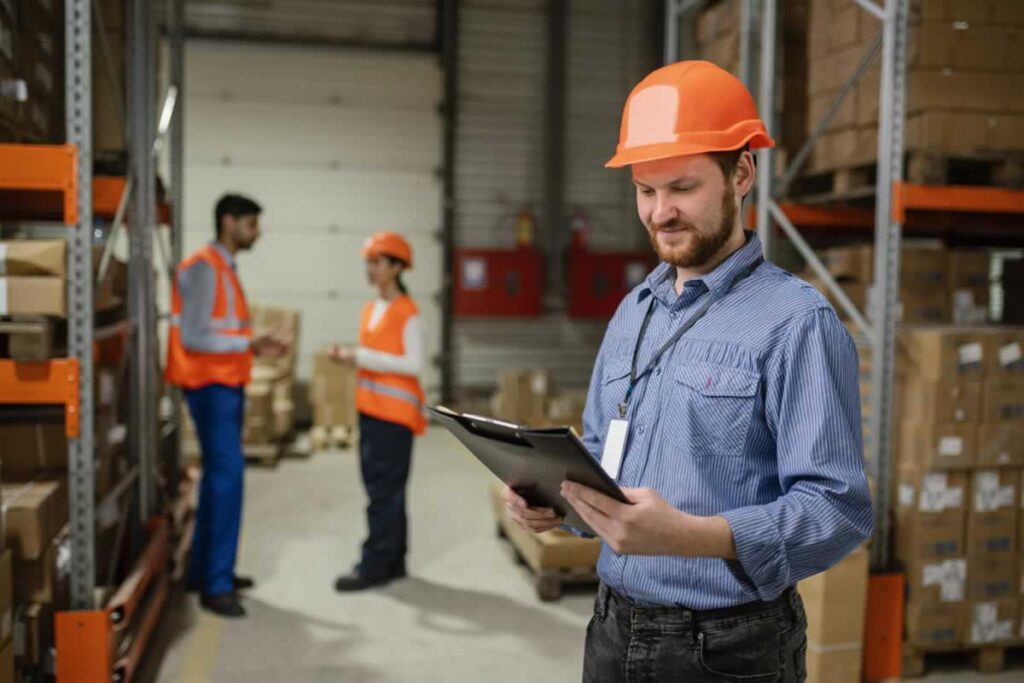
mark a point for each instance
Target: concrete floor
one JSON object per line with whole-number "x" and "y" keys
{"x": 467, "y": 612}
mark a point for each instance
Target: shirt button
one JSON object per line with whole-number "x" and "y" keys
{"x": 658, "y": 371}
{"x": 642, "y": 429}
{"x": 675, "y": 314}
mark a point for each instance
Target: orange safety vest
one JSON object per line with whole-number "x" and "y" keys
{"x": 195, "y": 369}
{"x": 387, "y": 396}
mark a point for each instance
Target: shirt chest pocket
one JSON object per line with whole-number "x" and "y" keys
{"x": 713, "y": 406}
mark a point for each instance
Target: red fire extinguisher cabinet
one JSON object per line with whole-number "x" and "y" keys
{"x": 498, "y": 283}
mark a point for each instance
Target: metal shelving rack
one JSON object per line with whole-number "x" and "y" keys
{"x": 91, "y": 639}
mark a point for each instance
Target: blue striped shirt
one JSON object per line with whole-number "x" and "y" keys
{"x": 754, "y": 415}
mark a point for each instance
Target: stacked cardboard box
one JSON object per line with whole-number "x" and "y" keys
{"x": 33, "y": 279}
{"x": 32, "y": 53}
{"x": 529, "y": 397}
{"x": 836, "y": 605}
{"x": 718, "y": 41}
{"x": 332, "y": 393}
{"x": 965, "y": 93}
{"x": 959, "y": 456}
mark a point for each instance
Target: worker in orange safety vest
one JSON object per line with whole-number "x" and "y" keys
{"x": 391, "y": 404}
{"x": 210, "y": 350}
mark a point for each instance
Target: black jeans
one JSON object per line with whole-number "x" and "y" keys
{"x": 385, "y": 454}
{"x": 759, "y": 642}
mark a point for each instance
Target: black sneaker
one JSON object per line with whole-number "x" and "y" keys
{"x": 239, "y": 583}
{"x": 355, "y": 581}
{"x": 226, "y": 605}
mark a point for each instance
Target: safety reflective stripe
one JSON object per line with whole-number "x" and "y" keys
{"x": 393, "y": 392}
{"x": 229, "y": 294}
{"x": 226, "y": 325}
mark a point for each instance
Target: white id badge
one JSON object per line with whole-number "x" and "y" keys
{"x": 614, "y": 447}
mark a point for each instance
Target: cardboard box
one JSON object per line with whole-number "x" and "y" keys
{"x": 992, "y": 577}
{"x": 33, "y": 257}
{"x": 45, "y": 580}
{"x": 332, "y": 393}
{"x": 940, "y": 352}
{"x": 6, "y": 596}
{"x": 826, "y": 665}
{"x": 30, "y": 447}
{"x": 836, "y": 601}
{"x": 35, "y": 513}
{"x": 855, "y": 291}
{"x": 924, "y": 304}
{"x": 992, "y": 516}
{"x": 854, "y": 262}
{"x": 33, "y": 296}
{"x": 937, "y": 581}
{"x": 1004, "y": 353}
{"x": 931, "y": 514}
{"x": 948, "y": 446}
{"x": 1001, "y": 444}
{"x": 523, "y": 395}
{"x": 956, "y": 401}
{"x": 1003, "y": 400}
{"x": 991, "y": 622}
{"x": 934, "y": 626}
{"x": 969, "y": 268}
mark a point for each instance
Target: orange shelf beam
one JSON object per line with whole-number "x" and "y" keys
{"x": 54, "y": 382}
{"x": 960, "y": 198}
{"x": 42, "y": 168}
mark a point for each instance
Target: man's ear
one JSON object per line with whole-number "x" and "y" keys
{"x": 745, "y": 175}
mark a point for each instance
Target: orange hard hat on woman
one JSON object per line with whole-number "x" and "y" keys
{"x": 690, "y": 107}
{"x": 388, "y": 244}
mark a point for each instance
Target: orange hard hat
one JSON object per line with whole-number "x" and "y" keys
{"x": 388, "y": 244}
{"x": 690, "y": 107}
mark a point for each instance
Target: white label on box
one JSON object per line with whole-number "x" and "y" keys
{"x": 1008, "y": 354}
{"x": 989, "y": 495}
{"x": 950, "y": 576}
{"x": 936, "y": 495}
{"x": 539, "y": 383}
{"x": 986, "y": 627}
{"x": 951, "y": 446}
{"x": 971, "y": 353}
{"x": 906, "y": 495}
{"x": 3, "y": 296}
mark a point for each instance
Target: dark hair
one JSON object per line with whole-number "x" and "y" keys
{"x": 233, "y": 205}
{"x": 729, "y": 161}
{"x": 398, "y": 262}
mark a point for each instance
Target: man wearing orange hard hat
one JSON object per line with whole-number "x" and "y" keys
{"x": 725, "y": 403}
{"x": 390, "y": 403}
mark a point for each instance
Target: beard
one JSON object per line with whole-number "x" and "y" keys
{"x": 700, "y": 248}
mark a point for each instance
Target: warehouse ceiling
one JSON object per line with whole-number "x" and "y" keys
{"x": 376, "y": 23}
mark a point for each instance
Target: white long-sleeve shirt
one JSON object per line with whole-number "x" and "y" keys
{"x": 409, "y": 363}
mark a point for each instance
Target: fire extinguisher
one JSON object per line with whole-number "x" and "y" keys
{"x": 579, "y": 225}
{"x": 525, "y": 227}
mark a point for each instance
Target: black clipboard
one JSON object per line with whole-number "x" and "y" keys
{"x": 533, "y": 462}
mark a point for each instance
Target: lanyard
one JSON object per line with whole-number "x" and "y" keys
{"x": 635, "y": 378}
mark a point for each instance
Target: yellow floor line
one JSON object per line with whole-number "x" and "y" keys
{"x": 202, "y": 649}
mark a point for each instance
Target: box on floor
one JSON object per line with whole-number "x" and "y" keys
{"x": 992, "y": 622}
{"x": 45, "y": 580}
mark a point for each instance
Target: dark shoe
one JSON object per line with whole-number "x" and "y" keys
{"x": 239, "y": 583}
{"x": 225, "y": 604}
{"x": 355, "y": 581}
{"x": 242, "y": 583}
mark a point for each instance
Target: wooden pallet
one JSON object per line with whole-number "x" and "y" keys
{"x": 857, "y": 181}
{"x": 986, "y": 660}
{"x": 332, "y": 438}
{"x": 557, "y": 559}
{"x": 27, "y": 339}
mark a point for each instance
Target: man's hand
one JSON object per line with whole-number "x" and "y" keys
{"x": 270, "y": 345}
{"x": 343, "y": 354}
{"x": 535, "y": 520}
{"x": 650, "y": 526}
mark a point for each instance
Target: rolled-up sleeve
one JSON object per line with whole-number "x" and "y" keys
{"x": 812, "y": 406}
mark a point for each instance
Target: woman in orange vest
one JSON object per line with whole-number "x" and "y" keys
{"x": 391, "y": 405}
